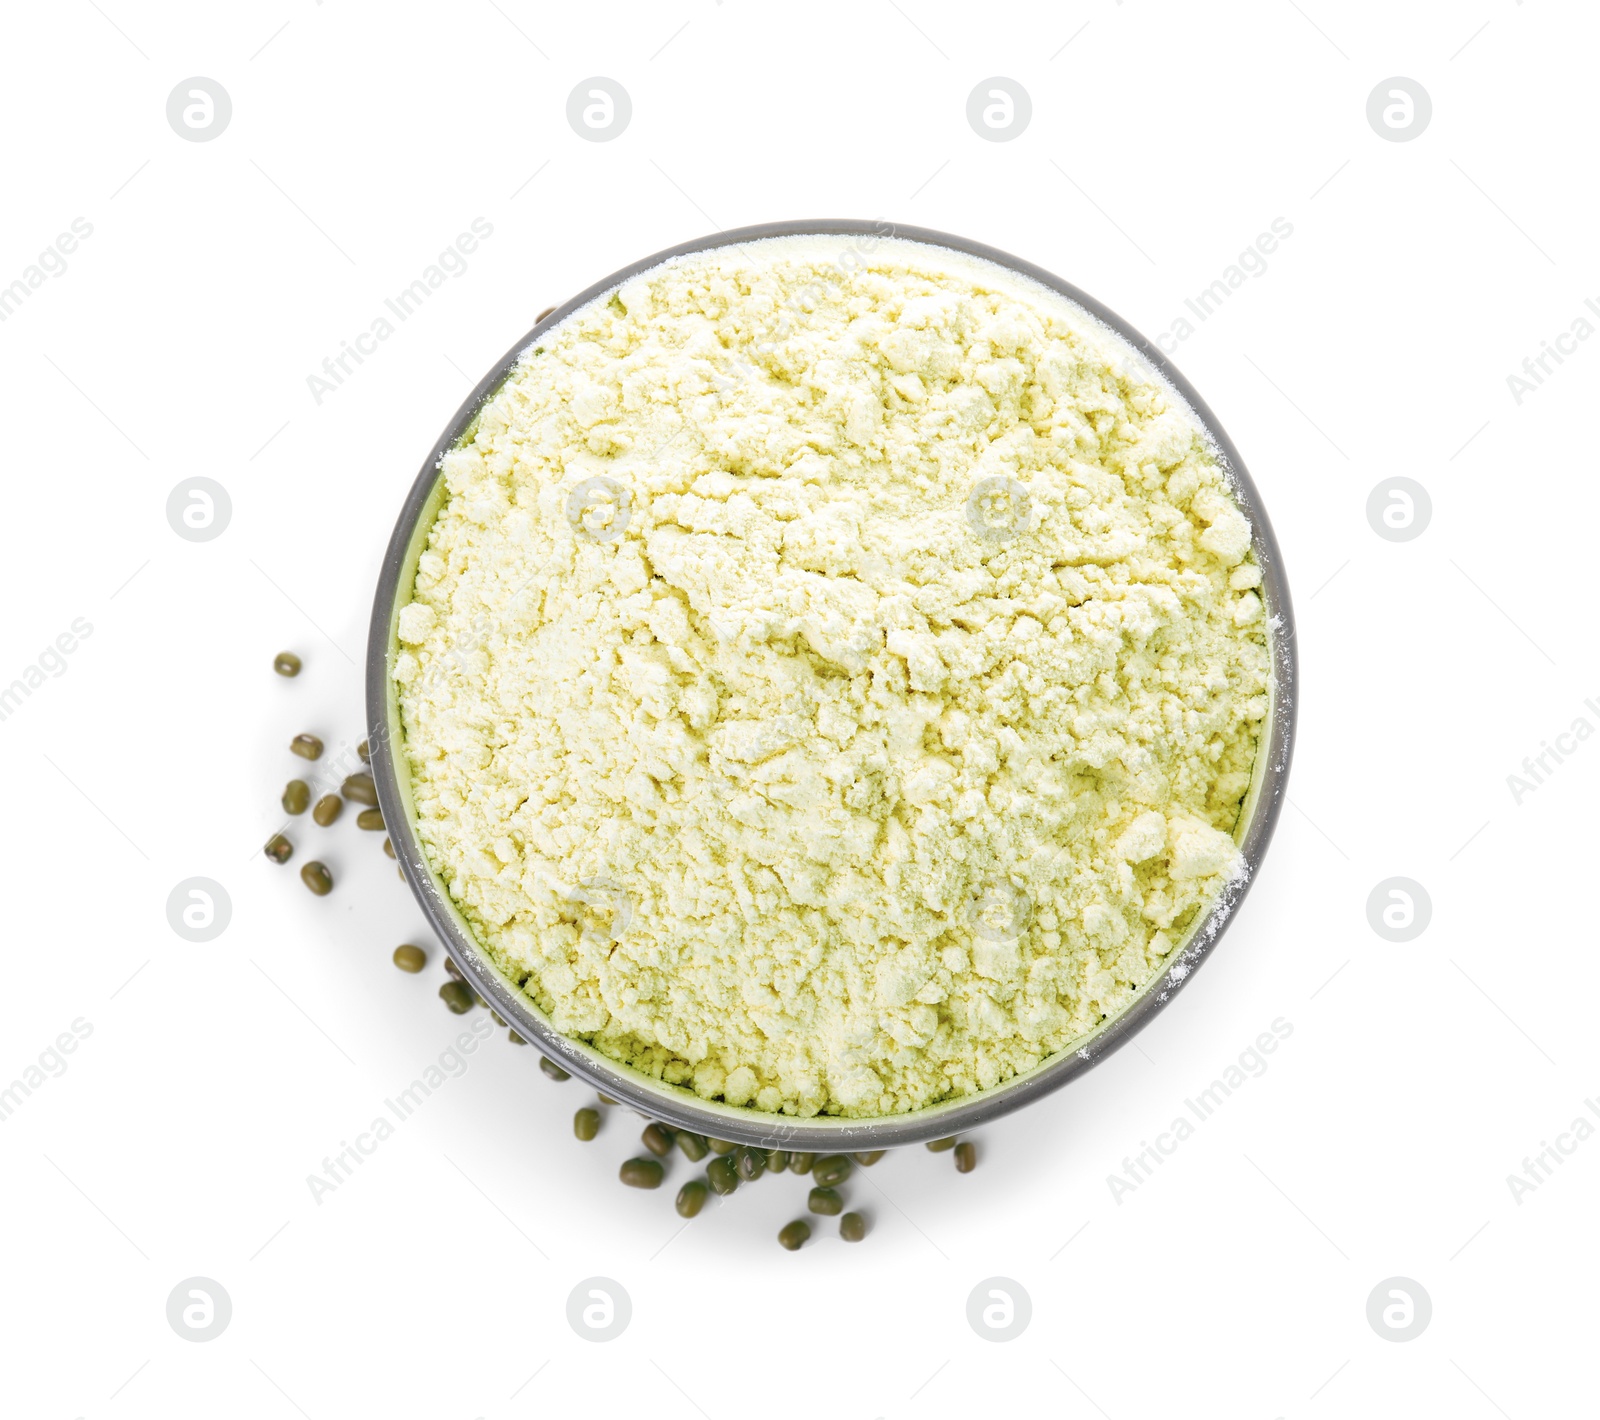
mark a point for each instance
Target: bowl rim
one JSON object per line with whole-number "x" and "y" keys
{"x": 679, "y": 1106}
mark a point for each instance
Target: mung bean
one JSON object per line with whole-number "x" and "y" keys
{"x": 831, "y": 1170}
{"x": 691, "y": 1198}
{"x": 721, "y": 1176}
{"x": 642, "y": 1173}
{"x": 826, "y": 1201}
{"x": 317, "y": 877}
{"x": 360, "y": 789}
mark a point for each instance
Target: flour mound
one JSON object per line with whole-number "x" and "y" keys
{"x": 833, "y": 678}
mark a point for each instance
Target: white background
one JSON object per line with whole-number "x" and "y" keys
{"x": 1164, "y": 138}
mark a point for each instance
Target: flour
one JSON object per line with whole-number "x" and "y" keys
{"x": 831, "y": 684}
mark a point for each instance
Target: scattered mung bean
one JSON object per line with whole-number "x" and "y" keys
{"x": 317, "y": 877}
{"x": 370, "y": 818}
{"x": 966, "y": 1156}
{"x": 938, "y": 1146}
{"x": 327, "y": 810}
{"x": 720, "y": 1174}
{"x": 658, "y": 1140}
{"x": 296, "y": 796}
{"x": 792, "y": 1236}
{"x": 388, "y": 847}
{"x": 777, "y": 1160}
{"x": 867, "y": 1160}
{"x": 365, "y": 752}
{"x": 852, "y": 1227}
{"x": 514, "y": 1038}
{"x": 831, "y": 1170}
{"x": 279, "y": 849}
{"x": 750, "y": 1163}
{"x": 691, "y": 1198}
{"x": 586, "y": 1124}
{"x": 456, "y": 996}
{"x": 286, "y": 663}
{"x": 554, "y": 1071}
{"x": 720, "y": 1146}
{"x": 801, "y": 1163}
{"x": 826, "y": 1201}
{"x": 409, "y": 958}
{"x": 306, "y": 746}
{"x": 693, "y": 1146}
{"x": 642, "y": 1173}
{"x": 360, "y": 789}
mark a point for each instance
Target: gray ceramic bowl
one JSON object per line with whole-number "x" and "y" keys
{"x": 681, "y": 1107}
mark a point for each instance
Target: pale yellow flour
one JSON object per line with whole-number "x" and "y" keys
{"x": 832, "y": 681}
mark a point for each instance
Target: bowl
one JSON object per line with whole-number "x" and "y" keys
{"x": 681, "y": 1107}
